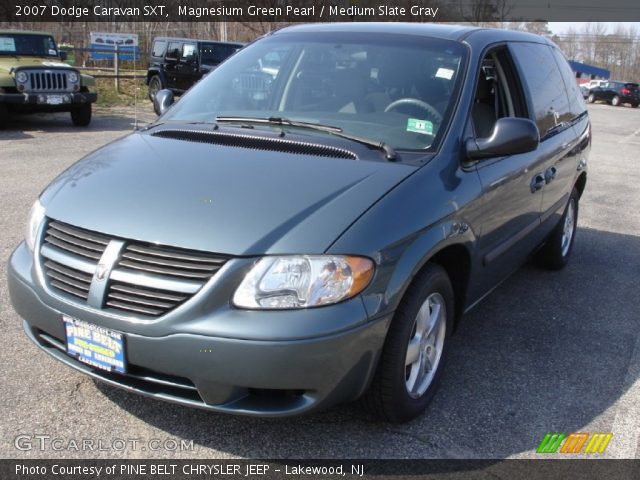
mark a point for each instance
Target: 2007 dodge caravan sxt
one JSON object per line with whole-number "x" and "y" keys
{"x": 307, "y": 224}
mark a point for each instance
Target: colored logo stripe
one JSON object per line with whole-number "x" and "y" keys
{"x": 574, "y": 443}
{"x": 550, "y": 442}
{"x": 598, "y": 443}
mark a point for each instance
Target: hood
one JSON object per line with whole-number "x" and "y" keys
{"x": 8, "y": 62}
{"x": 218, "y": 198}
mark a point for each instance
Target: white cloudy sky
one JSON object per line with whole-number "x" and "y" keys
{"x": 561, "y": 27}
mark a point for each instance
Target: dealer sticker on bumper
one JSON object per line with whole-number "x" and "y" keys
{"x": 94, "y": 345}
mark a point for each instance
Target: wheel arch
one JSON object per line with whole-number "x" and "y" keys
{"x": 456, "y": 261}
{"x": 153, "y": 72}
{"x": 581, "y": 183}
{"x": 453, "y": 256}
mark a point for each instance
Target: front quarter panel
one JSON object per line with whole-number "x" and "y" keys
{"x": 87, "y": 80}
{"x": 434, "y": 208}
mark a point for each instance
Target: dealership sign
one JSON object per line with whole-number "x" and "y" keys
{"x": 103, "y": 45}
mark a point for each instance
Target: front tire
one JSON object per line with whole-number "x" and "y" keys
{"x": 591, "y": 98}
{"x": 615, "y": 101}
{"x": 81, "y": 116}
{"x": 555, "y": 254}
{"x": 412, "y": 358}
{"x": 155, "y": 85}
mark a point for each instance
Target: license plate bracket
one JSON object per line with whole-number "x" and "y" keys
{"x": 96, "y": 346}
{"x": 55, "y": 99}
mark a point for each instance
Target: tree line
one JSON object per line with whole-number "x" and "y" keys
{"x": 617, "y": 50}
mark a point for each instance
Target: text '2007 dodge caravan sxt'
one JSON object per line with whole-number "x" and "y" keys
{"x": 307, "y": 224}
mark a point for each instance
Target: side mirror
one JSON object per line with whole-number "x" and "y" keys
{"x": 510, "y": 136}
{"x": 162, "y": 101}
{"x": 63, "y": 55}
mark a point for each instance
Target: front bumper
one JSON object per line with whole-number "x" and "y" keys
{"x": 260, "y": 377}
{"x": 35, "y": 100}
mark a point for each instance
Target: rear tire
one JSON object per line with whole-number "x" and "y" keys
{"x": 555, "y": 253}
{"x": 634, "y": 105}
{"x": 81, "y": 116}
{"x": 591, "y": 98}
{"x": 4, "y": 116}
{"x": 615, "y": 101}
{"x": 413, "y": 355}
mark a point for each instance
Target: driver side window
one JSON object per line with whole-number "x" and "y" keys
{"x": 498, "y": 93}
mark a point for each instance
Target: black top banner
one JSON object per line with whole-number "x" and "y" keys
{"x": 317, "y": 10}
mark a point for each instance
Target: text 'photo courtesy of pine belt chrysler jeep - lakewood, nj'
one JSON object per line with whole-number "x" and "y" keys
{"x": 34, "y": 78}
{"x": 307, "y": 225}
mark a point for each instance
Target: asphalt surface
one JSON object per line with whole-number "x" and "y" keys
{"x": 545, "y": 352}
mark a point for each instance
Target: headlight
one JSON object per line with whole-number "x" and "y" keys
{"x": 36, "y": 216}
{"x": 72, "y": 77}
{"x": 21, "y": 77}
{"x": 301, "y": 281}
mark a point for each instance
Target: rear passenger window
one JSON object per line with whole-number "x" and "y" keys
{"x": 158, "y": 49}
{"x": 576, "y": 102}
{"x": 548, "y": 96}
{"x": 188, "y": 52}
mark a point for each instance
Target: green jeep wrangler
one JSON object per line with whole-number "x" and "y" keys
{"x": 34, "y": 79}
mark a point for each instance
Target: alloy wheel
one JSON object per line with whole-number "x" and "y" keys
{"x": 424, "y": 350}
{"x": 568, "y": 227}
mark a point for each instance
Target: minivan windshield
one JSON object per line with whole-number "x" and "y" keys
{"x": 26, "y": 44}
{"x": 396, "y": 89}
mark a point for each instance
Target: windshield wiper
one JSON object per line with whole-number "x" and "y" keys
{"x": 390, "y": 153}
{"x": 177, "y": 124}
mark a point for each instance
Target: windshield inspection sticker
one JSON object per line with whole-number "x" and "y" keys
{"x": 419, "y": 126}
{"x": 444, "y": 73}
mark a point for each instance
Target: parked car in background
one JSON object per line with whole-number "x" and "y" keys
{"x": 281, "y": 241}
{"x": 584, "y": 91}
{"x": 178, "y": 63}
{"x": 616, "y": 93}
{"x": 34, "y": 78}
{"x": 594, "y": 83}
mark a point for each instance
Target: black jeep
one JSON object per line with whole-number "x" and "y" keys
{"x": 178, "y": 63}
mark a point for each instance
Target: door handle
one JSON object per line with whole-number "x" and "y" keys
{"x": 537, "y": 182}
{"x": 550, "y": 174}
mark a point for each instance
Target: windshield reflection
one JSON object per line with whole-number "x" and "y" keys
{"x": 396, "y": 89}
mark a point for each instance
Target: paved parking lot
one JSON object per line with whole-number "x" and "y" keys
{"x": 545, "y": 352}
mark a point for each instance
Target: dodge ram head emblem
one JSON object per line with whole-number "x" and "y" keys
{"x": 101, "y": 271}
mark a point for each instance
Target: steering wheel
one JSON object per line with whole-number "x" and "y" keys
{"x": 435, "y": 115}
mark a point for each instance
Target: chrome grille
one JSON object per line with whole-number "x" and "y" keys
{"x": 76, "y": 241}
{"x": 172, "y": 263}
{"x": 48, "y": 81}
{"x": 145, "y": 280}
{"x": 153, "y": 302}
{"x": 67, "y": 279}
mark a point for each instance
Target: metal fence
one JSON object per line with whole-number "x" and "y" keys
{"x": 117, "y": 63}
